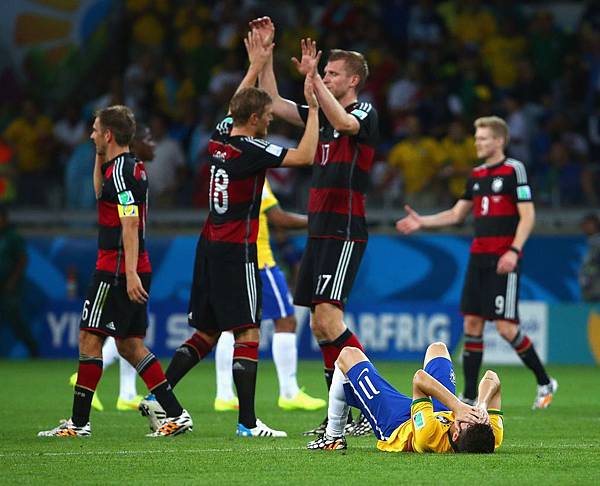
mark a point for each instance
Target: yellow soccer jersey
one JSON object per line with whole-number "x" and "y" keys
{"x": 263, "y": 245}
{"x": 427, "y": 431}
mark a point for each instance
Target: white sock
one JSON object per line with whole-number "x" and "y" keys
{"x": 109, "y": 352}
{"x": 223, "y": 364}
{"x": 127, "y": 376}
{"x": 285, "y": 356}
{"x": 337, "y": 412}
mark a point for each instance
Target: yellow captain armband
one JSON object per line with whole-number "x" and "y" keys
{"x": 128, "y": 211}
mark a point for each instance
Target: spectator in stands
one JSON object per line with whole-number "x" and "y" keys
{"x": 589, "y": 273}
{"x": 417, "y": 160}
{"x": 69, "y": 130}
{"x": 164, "y": 173}
{"x": 8, "y": 191}
{"x": 30, "y": 137}
{"x": 13, "y": 260}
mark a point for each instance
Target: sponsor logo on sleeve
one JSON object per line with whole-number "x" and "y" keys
{"x": 360, "y": 114}
{"x": 523, "y": 192}
{"x": 274, "y": 149}
{"x": 419, "y": 420}
{"x": 125, "y": 198}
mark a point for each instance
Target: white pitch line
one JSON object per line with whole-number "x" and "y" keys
{"x": 157, "y": 451}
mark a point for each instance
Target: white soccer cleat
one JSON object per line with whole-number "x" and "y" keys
{"x": 545, "y": 394}
{"x": 172, "y": 426}
{"x": 359, "y": 427}
{"x": 149, "y": 407}
{"x": 67, "y": 429}
{"x": 261, "y": 430}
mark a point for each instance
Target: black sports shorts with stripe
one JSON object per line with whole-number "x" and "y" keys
{"x": 226, "y": 289}
{"x": 327, "y": 272}
{"x": 108, "y": 310}
{"x": 490, "y": 295}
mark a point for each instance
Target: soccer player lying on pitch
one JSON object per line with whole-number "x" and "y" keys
{"x": 434, "y": 420}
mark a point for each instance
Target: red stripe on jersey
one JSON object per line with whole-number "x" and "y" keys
{"x": 243, "y": 190}
{"x": 108, "y": 214}
{"x": 230, "y": 232}
{"x": 496, "y": 245}
{"x": 107, "y": 262}
{"x": 499, "y": 170}
{"x": 336, "y": 201}
{"x": 499, "y": 205}
{"x": 227, "y": 151}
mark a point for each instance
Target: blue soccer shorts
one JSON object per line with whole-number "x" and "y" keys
{"x": 276, "y": 297}
{"x": 385, "y": 407}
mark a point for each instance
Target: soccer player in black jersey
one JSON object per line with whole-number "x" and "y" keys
{"x": 337, "y": 229}
{"x": 226, "y": 287}
{"x": 116, "y": 303}
{"x": 499, "y": 195}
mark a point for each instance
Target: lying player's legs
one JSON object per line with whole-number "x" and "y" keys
{"x": 366, "y": 389}
{"x": 438, "y": 364}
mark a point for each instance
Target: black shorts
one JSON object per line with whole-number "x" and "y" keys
{"x": 108, "y": 310}
{"x": 327, "y": 272}
{"x": 226, "y": 290}
{"x": 490, "y": 295}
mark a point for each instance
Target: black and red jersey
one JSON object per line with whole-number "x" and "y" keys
{"x": 124, "y": 184}
{"x": 237, "y": 168}
{"x": 340, "y": 176}
{"x": 495, "y": 191}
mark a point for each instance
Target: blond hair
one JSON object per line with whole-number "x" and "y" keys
{"x": 496, "y": 124}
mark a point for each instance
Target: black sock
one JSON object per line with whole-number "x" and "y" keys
{"x": 526, "y": 351}
{"x": 151, "y": 372}
{"x": 244, "y": 377}
{"x": 88, "y": 376}
{"x": 472, "y": 356}
{"x": 184, "y": 359}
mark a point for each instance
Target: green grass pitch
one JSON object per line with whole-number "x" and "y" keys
{"x": 560, "y": 445}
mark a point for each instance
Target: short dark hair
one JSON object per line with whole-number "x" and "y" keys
{"x": 355, "y": 64}
{"x": 247, "y": 101}
{"x": 120, "y": 120}
{"x": 591, "y": 218}
{"x": 477, "y": 439}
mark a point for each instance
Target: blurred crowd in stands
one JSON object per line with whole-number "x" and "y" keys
{"x": 435, "y": 67}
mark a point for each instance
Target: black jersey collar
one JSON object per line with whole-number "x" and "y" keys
{"x": 497, "y": 164}
{"x": 106, "y": 165}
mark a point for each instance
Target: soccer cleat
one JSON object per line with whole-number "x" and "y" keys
{"x": 149, "y": 407}
{"x": 359, "y": 427}
{"x": 545, "y": 394}
{"x": 172, "y": 426}
{"x": 127, "y": 405}
{"x": 327, "y": 443}
{"x": 232, "y": 405}
{"x": 67, "y": 429}
{"x": 261, "y": 430}
{"x": 318, "y": 430}
{"x": 96, "y": 403}
{"x": 302, "y": 401}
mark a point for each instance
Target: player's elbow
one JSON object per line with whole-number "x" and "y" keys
{"x": 418, "y": 377}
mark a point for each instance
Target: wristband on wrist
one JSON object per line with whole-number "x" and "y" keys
{"x": 515, "y": 249}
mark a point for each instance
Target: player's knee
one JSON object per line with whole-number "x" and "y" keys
{"x": 473, "y": 325}
{"x": 348, "y": 357}
{"x": 437, "y": 348}
{"x": 90, "y": 344}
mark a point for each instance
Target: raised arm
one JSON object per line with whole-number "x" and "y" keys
{"x": 425, "y": 385}
{"x": 305, "y": 153}
{"x": 489, "y": 391}
{"x": 282, "y": 108}
{"x": 258, "y": 54}
{"x": 414, "y": 221}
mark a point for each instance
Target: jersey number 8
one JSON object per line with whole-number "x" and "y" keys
{"x": 218, "y": 198}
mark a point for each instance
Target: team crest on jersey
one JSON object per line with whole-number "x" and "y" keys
{"x": 125, "y": 198}
{"x": 497, "y": 184}
{"x": 476, "y": 186}
{"x": 336, "y": 134}
{"x": 219, "y": 155}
